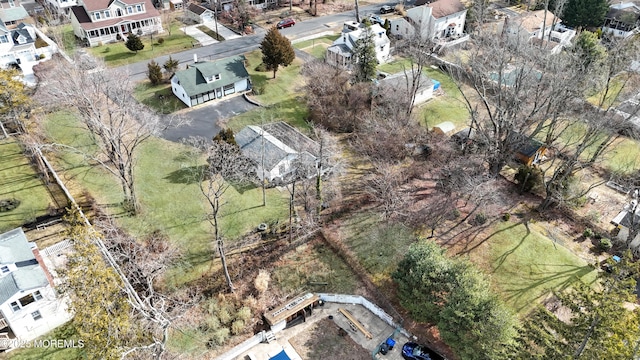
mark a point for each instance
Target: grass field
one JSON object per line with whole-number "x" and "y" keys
{"x": 18, "y": 180}
{"x": 525, "y": 265}
{"x": 378, "y": 247}
{"x": 316, "y": 47}
{"x": 159, "y": 97}
{"x": 65, "y": 332}
{"x": 117, "y": 54}
{"x": 171, "y": 201}
{"x": 449, "y": 106}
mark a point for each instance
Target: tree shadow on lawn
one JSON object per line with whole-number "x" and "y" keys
{"x": 187, "y": 175}
{"x": 514, "y": 290}
{"x": 119, "y": 56}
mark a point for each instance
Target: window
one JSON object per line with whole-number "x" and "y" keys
{"x": 37, "y": 295}
{"x": 217, "y": 77}
{"x": 36, "y": 315}
{"x": 138, "y": 8}
{"x": 11, "y": 3}
{"x": 107, "y": 14}
{"x": 15, "y": 306}
{"x": 118, "y": 12}
{"x": 5, "y": 268}
{"x": 96, "y": 15}
{"x": 129, "y": 10}
{"x": 26, "y": 300}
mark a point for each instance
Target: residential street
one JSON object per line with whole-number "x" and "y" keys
{"x": 248, "y": 43}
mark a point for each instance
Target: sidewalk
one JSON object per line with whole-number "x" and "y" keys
{"x": 222, "y": 30}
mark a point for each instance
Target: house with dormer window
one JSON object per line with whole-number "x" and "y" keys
{"x": 17, "y": 46}
{"x": 622, "y": 20}
{"x": 210, "y": 80}
{"x": 341, "y": 53}
{"x": 105, "y": 21}
{"x": 436, "y": 21}
{"x": 29, "y": 306}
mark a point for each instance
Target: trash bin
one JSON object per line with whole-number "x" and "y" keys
{"x": 384, "y": 349}
{"x": 390, "y": 343}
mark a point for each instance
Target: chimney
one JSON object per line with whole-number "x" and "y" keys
{"x": 195, "y": 58}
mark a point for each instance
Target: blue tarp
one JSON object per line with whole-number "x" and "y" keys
{"x": 281, "y": 356}
{"x": 436, "y": 84}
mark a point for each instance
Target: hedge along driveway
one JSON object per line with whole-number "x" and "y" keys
{"x": 170, "y": 200}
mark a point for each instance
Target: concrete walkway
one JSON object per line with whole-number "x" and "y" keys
{"x": 198, "y": 35}
{"x": 222, "y": 30}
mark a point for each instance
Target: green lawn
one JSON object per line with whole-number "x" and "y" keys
{"x": 285, "y": 86}
{"x": 449, "y": 106}
{"x": 117, "y": 54}
{"x": 379, "y": 247}
{"x": 170, "y": 201}
{"x": 210, "y": 32}
{"x": 316, "y": 47}
{"x": 159, "y": 97}
{"x": 624, "y": 158}
{"x": 526, "y": 265}
{"x": 19, "y": 180}
{"x": 65, "y": 332}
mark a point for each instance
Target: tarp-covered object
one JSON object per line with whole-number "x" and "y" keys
{"x": 280, "y": 356}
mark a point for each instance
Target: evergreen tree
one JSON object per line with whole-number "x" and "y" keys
{"x": 134, "y": 43}
{"x": 456, "y": 296}
{"x": 154, "y": 72}
{"x": 585, "y": 13}
{"x": 364, "y": 53}
{"x": 226, "y": 135}
{"x": 170, "y": 66}
{"x": 588, "y": 47}
{"x": 276, "y": 50}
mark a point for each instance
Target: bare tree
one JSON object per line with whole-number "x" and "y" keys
{"x": 103, "y": 104}
{"x": 226, "y": 166}
{"x": 383, "y": 186}
{"x": 144, "y": 263}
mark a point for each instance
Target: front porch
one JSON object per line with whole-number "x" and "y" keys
{"x": 110, "y": 33}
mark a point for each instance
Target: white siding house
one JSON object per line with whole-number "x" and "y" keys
{"x": 29, "y": 306}
{"x": 61, "y": 6}
{"x": 400, "y": 83}
{"x": 537, "y": 27}
{"x": 622, "y": 20}
{"x": 340, "y": 54}
{"x": 199, "y": 14}
{"x": 104, "y": 21}
{"x": 276, "y": 146}
{"x": 439, "y": 20}
{"x": 206, "y": 81}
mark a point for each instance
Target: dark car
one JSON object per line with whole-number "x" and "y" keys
{"x": 386, "y": 9}
{"x": 413, "y": 351}
{"x": 285, "y": 23}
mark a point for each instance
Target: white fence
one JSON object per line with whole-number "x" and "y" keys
{"x": 242, "y": 347}
{"x": 357, "y": 299}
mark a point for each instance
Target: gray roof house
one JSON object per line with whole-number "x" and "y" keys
{"x": 209, "y": 80}
{"x": 29, "y": 306}
{"x": 275, "y": 147}
{"x": 199, "y": 14}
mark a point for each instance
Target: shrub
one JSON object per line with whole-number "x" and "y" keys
{"x": 506, "y": 216}
{"x": 528, "y": 177}
{"x": 160, "y": 41}
{"x": 480, "y": 218}
{"x": 219, "y": 337}
{"x": 8, "y": 204}
{"x": 237, "y": 327}
{"x": 605, "y": 244}
{"x": 454, "y": 214}
{"x": 42, "y": 56}
{"x": 587, "y": 233}
{"x": 261, "y": 281}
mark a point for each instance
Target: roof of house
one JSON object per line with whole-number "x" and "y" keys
{"x": 340, "y": 49}
{"x": 530, "y": 147}
{"x": 399, "y": 80}
{"x": 193, "y": 81}
{"x": 93, "y": 5}
{"x": 13, "y": 14}
{"x": 15, "y": 249}
{"x": 15, "y": 34}
{"x": 442, "y": 8}
{"x": 280, "y": 141}
{"x": 197, "y": 9}
{"x": 3, "y": 28}
{"x": 532, "y": 20}
{"x": 86, "y": 23}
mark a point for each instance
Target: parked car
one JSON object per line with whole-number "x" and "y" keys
{"x": 386, "y": 9}
{"x": 413, "y": 351}
{"x": 375, "y": 19}
{"x": 285, "y": 23}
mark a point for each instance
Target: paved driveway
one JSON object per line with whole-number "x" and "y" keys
{"x": 204, "y": 119}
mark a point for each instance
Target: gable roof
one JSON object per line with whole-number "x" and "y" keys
{"x": 86, "y": 23}
{"x": 15, "y": 249}
{"x": 398, "y": 81}
{"x": 280, "y": 141}
{"x": 193, "y": 81}
{"x": 93, "y": 5}
{"x": 15, "y": 34}
{"x": 442, "y": 8}
{"x": 13, "y": 14}
{"x": 532, "y": 20}
{"x": 197, "y": 9}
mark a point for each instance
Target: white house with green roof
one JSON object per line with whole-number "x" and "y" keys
{"x": 29, "y": 307}
{"x": 206, "y": 81}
